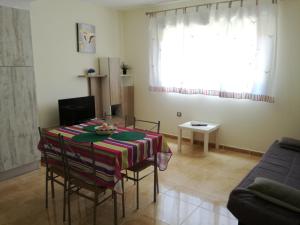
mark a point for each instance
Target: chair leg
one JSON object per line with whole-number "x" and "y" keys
{"x": 115, "y": 209}
{"x": 134, "y": 177}
{"x": 123, "y": 198}
{"x": 46, "y": 192}
{"x": 52, "y": 184}
{"x": 157, "y": 184}
{"x": 65, "y": 200}
{"x": 126, "y": 172}
{"x": 95, "y": 207}
{"x": 137, "y": 190}
{"x": 69, "y": 202}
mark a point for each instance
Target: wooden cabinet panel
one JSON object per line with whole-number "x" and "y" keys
{"x": 110, "y": 85}
{"x": 114, "y": 81}
{"x": 105, "y": 86}
{"x": 128, "y": 103}
{"x": 95, "y": 90}
{"x": 15, "y": 37}
{"x": 18, "y": 117}
{"x": 117, "y": 99}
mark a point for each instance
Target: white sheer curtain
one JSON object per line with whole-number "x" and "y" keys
{"x": 222, "y": 50}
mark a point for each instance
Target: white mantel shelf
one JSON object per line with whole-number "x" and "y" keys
{"x": 92, "y": 76}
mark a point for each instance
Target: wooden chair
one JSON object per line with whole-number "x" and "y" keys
{"x": 138, "y": 168}
{"x": 82, "y": 175}
{"x": 53, "y": 159}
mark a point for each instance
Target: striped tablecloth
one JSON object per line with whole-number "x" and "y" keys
{"x": 113, "y": 156}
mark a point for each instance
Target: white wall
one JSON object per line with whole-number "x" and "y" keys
{"x": 56, "y": 60}
{"x": 245, "y": 124}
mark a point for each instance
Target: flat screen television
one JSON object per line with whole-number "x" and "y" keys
{"x": 76, "y": 110}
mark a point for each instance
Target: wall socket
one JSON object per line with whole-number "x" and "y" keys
{"x": 179, "y": 114}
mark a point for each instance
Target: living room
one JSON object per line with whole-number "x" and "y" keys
{"x": 195, "y": 187}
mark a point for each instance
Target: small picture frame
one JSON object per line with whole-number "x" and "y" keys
{"x": 86, "y": 38}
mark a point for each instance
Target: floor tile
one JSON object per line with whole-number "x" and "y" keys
{"x": 205, "y": 217}
{"x": 169, "y": 210}
{"x": 193, "y": 190}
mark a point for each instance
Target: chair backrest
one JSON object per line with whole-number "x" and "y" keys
{"x": 52, "y": 153}
{"x": 80, "y": 161}
{"x": 146, "y": 125}
{"x": 128, "y": 120}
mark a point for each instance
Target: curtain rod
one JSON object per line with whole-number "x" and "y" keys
{"x": 199, "y": 5}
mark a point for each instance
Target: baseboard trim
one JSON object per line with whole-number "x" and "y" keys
{"x": 19, "y": 170}
{"x": 229, "y": 148}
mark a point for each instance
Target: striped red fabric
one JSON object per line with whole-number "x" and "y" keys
{"x": 112, "y": 156}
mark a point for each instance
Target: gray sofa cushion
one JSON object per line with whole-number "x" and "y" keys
{"x": 277, "y": 193}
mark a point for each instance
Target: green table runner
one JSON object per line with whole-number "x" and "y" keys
{"x": 89, "y": 137}
{"x": 128, "y": 136}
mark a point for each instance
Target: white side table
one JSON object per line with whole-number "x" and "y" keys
{"x": 206, "y": 130}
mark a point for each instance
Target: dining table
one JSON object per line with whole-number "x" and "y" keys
{"x": 113, "y": 154}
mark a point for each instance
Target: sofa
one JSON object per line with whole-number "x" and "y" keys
{"x": 279, "y": 164}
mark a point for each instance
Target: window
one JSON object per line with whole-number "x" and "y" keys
{"x": 224, "y": 50}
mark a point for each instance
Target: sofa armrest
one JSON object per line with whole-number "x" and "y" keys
{"x": 276, "y": 193}
{"x": 252, "y": 210}
{"x": 290, "y": 143}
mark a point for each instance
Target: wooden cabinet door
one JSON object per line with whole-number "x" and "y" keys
{"x": 15, "y": 37}
{"x": 18, "y": 118}
{"x": 105, "y": 90}
{"x": 128, "y": 103}
{"x": 114, "y": 81}
{"x": 95, "y": 90}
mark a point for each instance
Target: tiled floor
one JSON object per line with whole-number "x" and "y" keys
{"x": 193, "y": 191}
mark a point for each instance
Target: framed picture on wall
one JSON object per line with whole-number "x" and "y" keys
{"x": 86, "y": 38}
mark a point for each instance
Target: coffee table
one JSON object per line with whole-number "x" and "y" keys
{"x": 206, "y": 130}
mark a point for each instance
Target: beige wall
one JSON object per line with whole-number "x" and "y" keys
{"x": 245, "y": 124}
{"x": 56, "y": 61}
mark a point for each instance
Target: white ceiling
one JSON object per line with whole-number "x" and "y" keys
{"x": 117, "y": 4}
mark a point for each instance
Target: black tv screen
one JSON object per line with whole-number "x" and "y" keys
{"x": 76, "y": 110}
